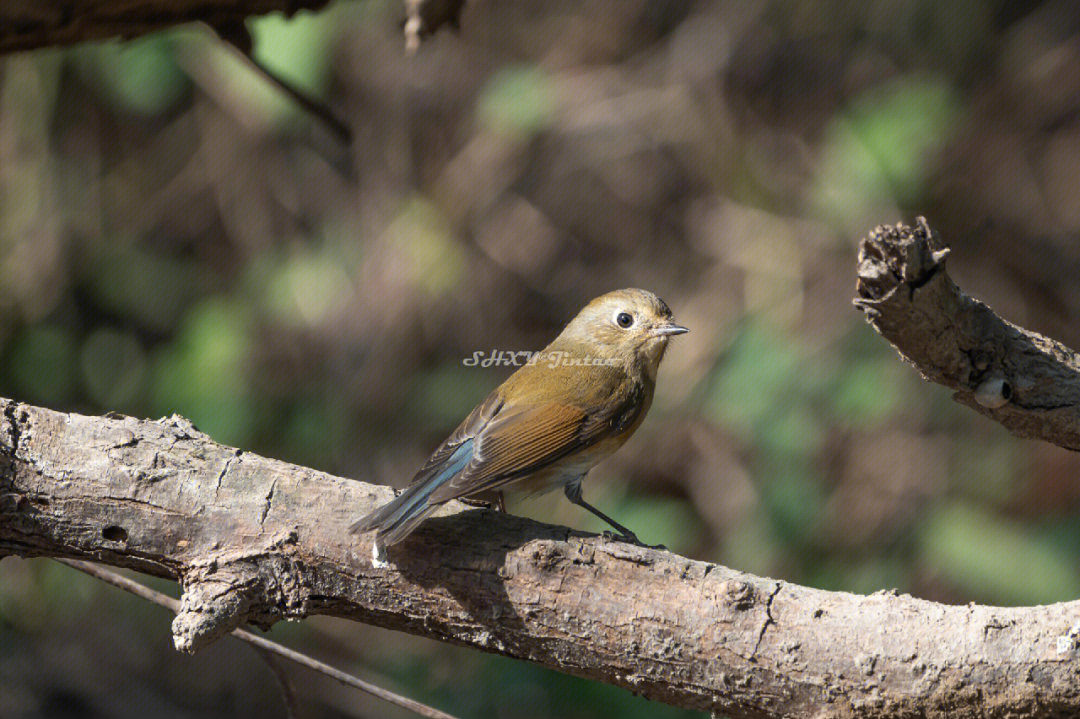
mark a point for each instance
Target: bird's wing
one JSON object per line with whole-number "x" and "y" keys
{"x": 460, "y": 440}
{"x": 517, "y": 442}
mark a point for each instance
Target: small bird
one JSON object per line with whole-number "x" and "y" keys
{"x": 551, "y": 421}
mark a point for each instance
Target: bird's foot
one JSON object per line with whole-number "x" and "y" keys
{"x": 631, "y": 538}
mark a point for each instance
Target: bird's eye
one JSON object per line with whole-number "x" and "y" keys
{"x": 624, "y": 320}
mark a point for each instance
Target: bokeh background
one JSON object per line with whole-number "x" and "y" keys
{"x": 176, "y": 236}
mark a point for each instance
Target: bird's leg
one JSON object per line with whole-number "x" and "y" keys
{"x": 573, "y": 493}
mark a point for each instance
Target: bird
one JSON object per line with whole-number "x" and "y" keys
{"x": 566, "y": 409}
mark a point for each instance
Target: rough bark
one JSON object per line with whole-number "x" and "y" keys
{"x": 29, "y": 24}
{"x": 253, "y": 540}
{"x": 1027, "y": 382}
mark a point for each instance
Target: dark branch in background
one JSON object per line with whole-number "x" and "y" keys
{"x": 253, "y": 540}
{"x": 31, "y": 24}
{"x": 240, "y": 41}
{"x": 1027, "y": 382}
{"x": 47, "y": 23}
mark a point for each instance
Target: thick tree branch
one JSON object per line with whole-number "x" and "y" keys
{"x": 1027, "y": 382}
{"x": 29, "y": 24}
{"x": 255, "y": 540}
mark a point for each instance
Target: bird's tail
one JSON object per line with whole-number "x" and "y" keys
{"x": 400, "y": 516}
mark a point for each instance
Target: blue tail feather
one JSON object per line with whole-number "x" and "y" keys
{"x": 395, "y": 519}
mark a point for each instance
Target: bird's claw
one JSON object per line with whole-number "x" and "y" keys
{"x": 630, "y": 538}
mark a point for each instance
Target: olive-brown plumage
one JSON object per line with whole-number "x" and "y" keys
{"x": 552, "y": 420}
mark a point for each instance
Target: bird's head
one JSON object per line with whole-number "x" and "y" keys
{"x": 629, "y": 327}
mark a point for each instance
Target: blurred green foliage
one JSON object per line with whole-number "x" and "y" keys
{"x": 989, "y": 555}
{"x": 140, "y": 77}
{"x": 434, "y": 262}
{"x": 517, "y": 100}
{"x": 177, "y": 236}
{"x": 879, "y": 149}
{"x": 204, "y": 373}
{"x": 504, "y": 687}
{"x": 300, "y": 49}
{"x": 44, "y": 364}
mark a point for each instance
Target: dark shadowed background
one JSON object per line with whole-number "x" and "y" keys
{"x": 175, "y": 236}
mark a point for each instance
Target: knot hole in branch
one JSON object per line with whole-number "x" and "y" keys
{"x": 113, "y": 533}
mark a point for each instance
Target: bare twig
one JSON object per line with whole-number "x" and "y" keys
{"x": 262, "y": 645}
{"x": 241, "y": 48}
{"x": 288, "y": 694}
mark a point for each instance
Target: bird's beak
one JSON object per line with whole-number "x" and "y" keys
{"x": 669, "y": 329}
